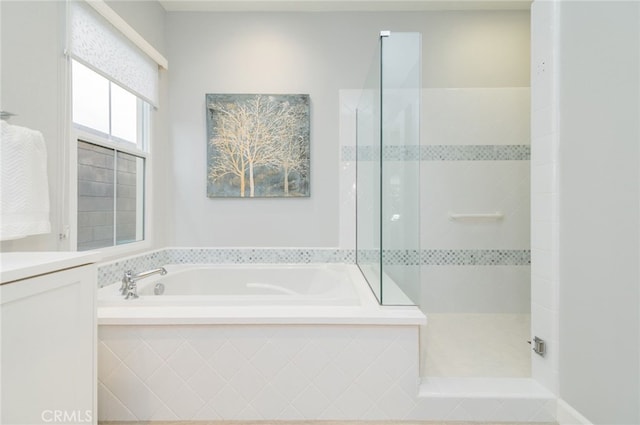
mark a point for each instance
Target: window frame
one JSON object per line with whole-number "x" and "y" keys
{"x": 79, "y": 133}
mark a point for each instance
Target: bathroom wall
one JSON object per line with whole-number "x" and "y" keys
{"x": 33, "y": 86}
{"x": 544, "y": 191}
{"x": 319, "y": 54}
{"x": 32, "y": 37}
{"x": 475, "y": 160}
{"x": 146, "y": 17}
{"x": 599, "y": 109}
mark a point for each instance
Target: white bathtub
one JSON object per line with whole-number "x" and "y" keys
{"x": 252, "y": 293}
{"x": 316, "y": 284}
{"x": 255, "y": 342}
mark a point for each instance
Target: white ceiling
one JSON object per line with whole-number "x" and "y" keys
{"x": 340, "y": 5}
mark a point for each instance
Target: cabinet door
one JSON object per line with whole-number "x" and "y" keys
{"x": 47, "y": 361}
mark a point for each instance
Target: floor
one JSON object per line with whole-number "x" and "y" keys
{"x": 320, "y": 423}
{"x": 476, "y": 345}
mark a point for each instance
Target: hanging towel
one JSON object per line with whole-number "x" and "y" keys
{"x": 24, "y": 186}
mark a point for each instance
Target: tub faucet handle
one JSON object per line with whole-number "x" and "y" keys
{"x": 132, "y": 291}
{"x": 127, "y": 279}
{"x": 129, "y": 288}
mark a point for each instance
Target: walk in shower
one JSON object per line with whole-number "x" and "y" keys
{"x": 442, "y": 211}
{"x": 388, "y": 171}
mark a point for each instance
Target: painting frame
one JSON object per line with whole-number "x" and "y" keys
{"x": 258, "y": 145}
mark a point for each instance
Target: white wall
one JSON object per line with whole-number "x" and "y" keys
{"x": 486, "y": 117}
{"x": 544, "y": 190}
{"x": 599, "y": 111}
{"x": 146, "y": 17}
{"x": 318, "y": 54}
{"x": 33, "y": 86}
{"x": 32, "y": 65}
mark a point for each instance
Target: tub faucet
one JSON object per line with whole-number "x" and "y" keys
{"x": 129, "y": 288}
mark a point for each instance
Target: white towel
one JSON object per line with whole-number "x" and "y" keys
{"x": 24, "y": 188}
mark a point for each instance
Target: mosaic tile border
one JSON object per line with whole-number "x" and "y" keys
{"x": 449, "y": 257}
{"x": 259, "y": 255}
{"x": 439, "y": 153}
{"x": 113, "y": 271}
{"x": 475, "y": 257}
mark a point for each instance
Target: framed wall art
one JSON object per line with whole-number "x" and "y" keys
{"x": 258, "y": 145}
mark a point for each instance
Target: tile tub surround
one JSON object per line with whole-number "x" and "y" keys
{"x": 257, "y": 372}
{"x": 113, "y": 271}
{"x": 293, "y": 373}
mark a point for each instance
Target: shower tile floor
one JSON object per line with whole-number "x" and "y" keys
{"x": 476, "y": 345}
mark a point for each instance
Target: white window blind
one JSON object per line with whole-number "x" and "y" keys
{"x": 95, "y": 42}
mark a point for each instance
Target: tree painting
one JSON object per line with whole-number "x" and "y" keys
{"x": 258, "y": 145}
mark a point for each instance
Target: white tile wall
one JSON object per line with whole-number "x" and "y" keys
{"x": 302, "y": 372}
{"x": 544, "y": 190}
{"x": 253, "y": 372}
{"x": 477, "y": 345}
{"x": 475, "y": 187}
{"x": 348, "y": 101}
{"x": 463, "y": 172}
{"x": 476, "y": 289}
{"x": 476, "y": 117}
{"x": 491, "y": 116}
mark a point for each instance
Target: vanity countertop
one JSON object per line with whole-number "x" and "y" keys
{"x": 21, "y": 265}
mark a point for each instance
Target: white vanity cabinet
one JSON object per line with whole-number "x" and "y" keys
{"x": 48, "y": 338}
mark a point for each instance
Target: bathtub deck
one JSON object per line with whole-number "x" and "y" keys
{"x": 371, "y": 314}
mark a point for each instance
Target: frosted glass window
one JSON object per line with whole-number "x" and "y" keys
{"x": 90, "y": 98}
{"x": 124, "y": 114}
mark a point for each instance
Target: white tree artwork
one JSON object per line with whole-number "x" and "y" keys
{"x": 258, "y": 145}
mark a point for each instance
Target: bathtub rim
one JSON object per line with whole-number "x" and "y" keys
{"x": 369, "y": 312}
{"x": 109, "y": 295}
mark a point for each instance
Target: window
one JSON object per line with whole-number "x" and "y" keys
{"x": 112, "y": 145}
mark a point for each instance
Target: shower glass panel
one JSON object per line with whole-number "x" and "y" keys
{"x": 388, "y": 228}
{"x": 368, "y": 167}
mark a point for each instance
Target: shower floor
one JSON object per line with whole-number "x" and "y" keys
{"x": 476, "y": 345}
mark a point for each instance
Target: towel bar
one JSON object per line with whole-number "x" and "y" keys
{"x": 495, "y": 216}
{"x": 4, "y": 115}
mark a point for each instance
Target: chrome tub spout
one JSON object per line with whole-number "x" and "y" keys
{"x": 129, "y": 288}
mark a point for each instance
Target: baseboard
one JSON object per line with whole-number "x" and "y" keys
{"x": 567, "y": 415}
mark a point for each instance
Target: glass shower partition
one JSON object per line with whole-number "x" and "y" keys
{"x": 388, "y": 159}
{"x": 368, "y": 168}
